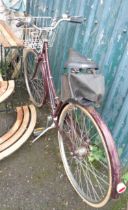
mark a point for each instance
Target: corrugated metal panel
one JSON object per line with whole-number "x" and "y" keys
{"x": 104, "y": 37}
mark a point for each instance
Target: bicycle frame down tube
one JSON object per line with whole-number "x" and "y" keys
{"x": 49, "y": 80}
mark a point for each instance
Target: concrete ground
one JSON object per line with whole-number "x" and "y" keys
{"x": 33, "y": 178}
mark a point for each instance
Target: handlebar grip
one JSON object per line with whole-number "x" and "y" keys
{"x": 77, "y": 19}
{"x": 24, "y": 23}
{"x": 20, "y": 23}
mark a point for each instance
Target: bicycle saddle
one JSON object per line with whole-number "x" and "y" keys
{"x": 75, "y": 60}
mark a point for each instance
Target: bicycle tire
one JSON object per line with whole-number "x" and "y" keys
{"x": 34, "y": 77}
{"x": 105, "y": 172}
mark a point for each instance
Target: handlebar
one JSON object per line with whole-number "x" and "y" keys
{"x": 77, "y": 19}
{"x": 30, "y": 22}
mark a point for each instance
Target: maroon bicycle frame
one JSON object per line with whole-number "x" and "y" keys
{"x": 55, "y": 102}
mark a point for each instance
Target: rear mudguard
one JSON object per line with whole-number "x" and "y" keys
{"x": 110, "y": 144}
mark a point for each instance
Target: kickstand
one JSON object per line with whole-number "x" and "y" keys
{"x": 43, "y": 131}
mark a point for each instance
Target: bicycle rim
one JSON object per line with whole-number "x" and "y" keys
{"x": 85, "y": 155}
{"x": 34, "y": 78}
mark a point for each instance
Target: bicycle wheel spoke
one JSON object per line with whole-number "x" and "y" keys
{"x": 93, "y": 173}
{"x": 102, "y": 163}
{"x": 96, "y": 196}
{"x": 94, "y": 184}
{"x": 91, "y": 138}
{"x": 38, "y": 86}
{"x": 103, "y": 175}
{"x": 89, "y": 131}
{"x": 89, "y": 195}
{"x": 79, "y": 177}
{"x": 98, "y": 179}
{"x": 85, "y": 131}
{"x": 71, "y": 130}
{"x": 37, "y": 93}
{"x": 77, "y": 130}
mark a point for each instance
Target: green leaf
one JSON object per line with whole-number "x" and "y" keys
{"x": 125, "y": 177}
{"x": 96, "y": 154}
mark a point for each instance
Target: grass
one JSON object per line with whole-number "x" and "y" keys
{"x": 122, "y": 202}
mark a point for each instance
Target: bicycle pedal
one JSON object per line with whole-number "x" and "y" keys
{"x": 37, "y": 131}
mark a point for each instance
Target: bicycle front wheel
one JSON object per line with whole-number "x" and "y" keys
{"x": 85, "y": 154}
{"x": 34, "y": 78}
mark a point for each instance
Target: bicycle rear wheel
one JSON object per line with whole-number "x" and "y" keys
{"x": 86, "y": 154}
{"x": 34, "y": 78}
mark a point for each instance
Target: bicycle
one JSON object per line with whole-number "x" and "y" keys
{"x": 82, "y": 134}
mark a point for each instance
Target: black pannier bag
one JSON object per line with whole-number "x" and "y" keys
{"x": 83, "y": 85}
{"x": 83, "y": 81}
